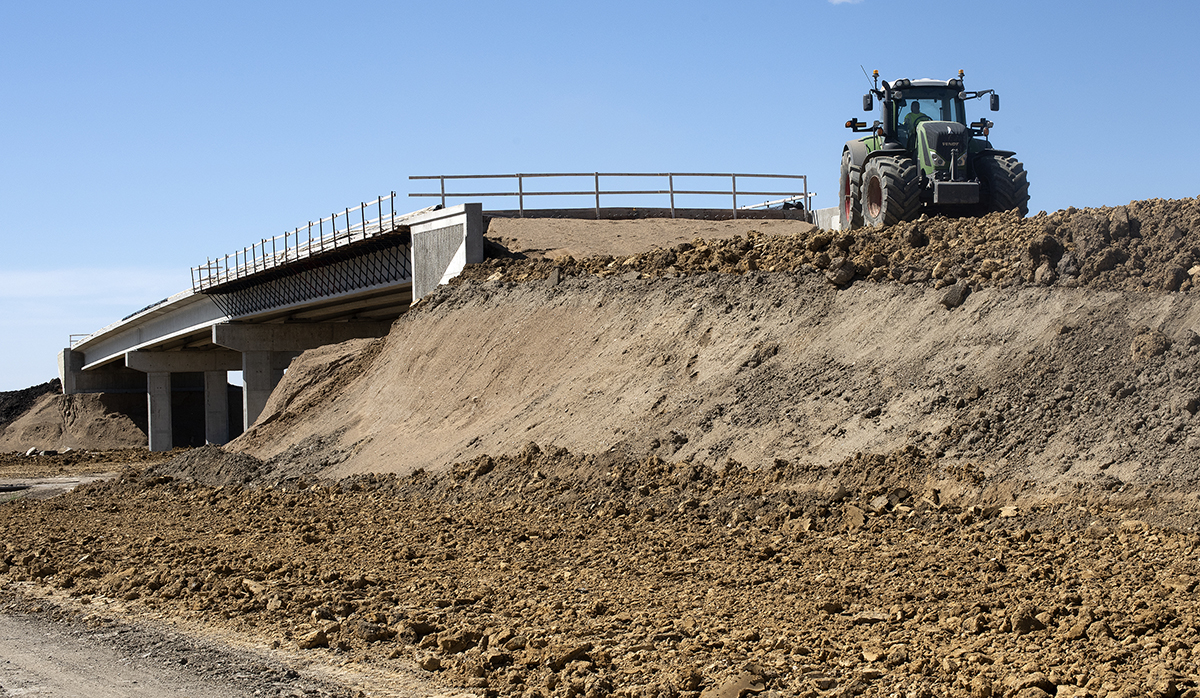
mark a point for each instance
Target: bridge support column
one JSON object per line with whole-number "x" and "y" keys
{"x": 216, "y": 407}
{"x": 158, "y": 399}
{"x": 268, "y": 348}
{"x": 214, "y": 365}
{"x": 260, "y": 380}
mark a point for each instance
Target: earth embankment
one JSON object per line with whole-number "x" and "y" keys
{"x": 1086, "y": 380}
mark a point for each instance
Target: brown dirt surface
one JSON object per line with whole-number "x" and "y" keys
{"x": 15, "y": 403}
{"x": 949, "y": 458}
{"x": 549, "y": 573}
{"x": 553, "y": 238}
{"x": 56, "y": 422}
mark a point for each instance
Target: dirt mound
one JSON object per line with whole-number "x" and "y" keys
{"x": 209, "y": 465}
{"x": 92, "y": 421}
{"x": 15, "y": 403}
{"x": 1144, "y": 245}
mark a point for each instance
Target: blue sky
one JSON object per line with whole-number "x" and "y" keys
{"x": 139, "y": 138}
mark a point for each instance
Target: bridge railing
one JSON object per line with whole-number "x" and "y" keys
{"x": 797, "y": 194}
{"x": 332, "y": 232}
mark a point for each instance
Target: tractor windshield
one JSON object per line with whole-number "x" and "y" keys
{"x": 926, "y": 104}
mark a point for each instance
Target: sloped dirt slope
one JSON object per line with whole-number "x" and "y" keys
{"x": 1074, "y": 382}
{"x": 91, "y": 421}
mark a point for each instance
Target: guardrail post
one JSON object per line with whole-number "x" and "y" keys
{"x": 671, "y": 188}
{"x": 520, "y": 196}
{"x": 393, "y": 205}
{"x": 362, "y": 216}
{"x": 442, "y": 179}
{"x": 734, "y": 178}
{"x": 597, "y": 196}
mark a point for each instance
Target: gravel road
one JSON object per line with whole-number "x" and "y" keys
{"x": 46, "y": 652}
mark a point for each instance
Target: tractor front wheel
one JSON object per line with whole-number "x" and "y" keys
{"x": 850, "y": 186}
{"x": 891, "y": 191}
{"x": 1005, "y": 185}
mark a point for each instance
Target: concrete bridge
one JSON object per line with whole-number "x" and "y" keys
{"x": 342, "y": 277}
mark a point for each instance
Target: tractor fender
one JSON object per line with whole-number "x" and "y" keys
{"x": 993, "y": 151}
{"x": 861, "y": 153}
{"x": 858, "y": 153}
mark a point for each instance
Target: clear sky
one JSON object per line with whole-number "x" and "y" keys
{"x": 139, "y": 138}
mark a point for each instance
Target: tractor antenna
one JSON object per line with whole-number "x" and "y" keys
{"x": 875, "y": 85}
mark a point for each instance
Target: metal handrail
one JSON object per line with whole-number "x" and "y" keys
{"x": 329, "y": 233}
{"x": 597, "y": 192}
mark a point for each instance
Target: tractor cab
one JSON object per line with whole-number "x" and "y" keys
{"x": 919, "y": 104}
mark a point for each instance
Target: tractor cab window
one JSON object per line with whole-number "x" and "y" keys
{"x": 925, "y": 104}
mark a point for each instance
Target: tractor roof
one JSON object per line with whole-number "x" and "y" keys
{"x": 929, "y": 82}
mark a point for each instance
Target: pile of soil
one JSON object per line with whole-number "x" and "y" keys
{"x": 96, "y": 421}
{"x": 1145, "y": 245}
{"x": 15, "y": 403}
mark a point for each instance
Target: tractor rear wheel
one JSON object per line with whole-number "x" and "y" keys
{"x": 1004, "y": 184}
{"x": 891, "y": 191}
{"x": 850, "y": 186}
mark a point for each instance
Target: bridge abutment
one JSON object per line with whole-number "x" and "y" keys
{"x": 108, "y": 379}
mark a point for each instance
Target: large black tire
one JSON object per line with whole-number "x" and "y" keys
{"x": 891, "y": 191}
{"x": 850, "y": 187}
{"x": 1004, "y": 185}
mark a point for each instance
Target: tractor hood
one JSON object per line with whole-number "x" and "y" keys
{"x": 942, "y": 147}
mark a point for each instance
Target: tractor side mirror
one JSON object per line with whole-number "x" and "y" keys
{"x": 868, "y": 102}
{"x": 995, "y": 102}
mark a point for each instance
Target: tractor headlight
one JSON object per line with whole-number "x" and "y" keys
{"x": 937, "y": 159}
{"x": 962, "y": 160}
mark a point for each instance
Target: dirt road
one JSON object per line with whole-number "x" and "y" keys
{"x": 65, "y": 657}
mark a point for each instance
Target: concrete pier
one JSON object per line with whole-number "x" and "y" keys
{"x": 214, "y": 364}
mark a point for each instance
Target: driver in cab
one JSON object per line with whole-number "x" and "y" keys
{"x": 913, "y": 118}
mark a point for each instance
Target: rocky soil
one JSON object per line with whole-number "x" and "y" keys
{"x": 949, "y": 458}
{"x": 549, "y": 573}
{"x": 1151, "y": 244}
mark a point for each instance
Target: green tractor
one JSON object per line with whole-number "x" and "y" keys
{"x": 923, "y": 157}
